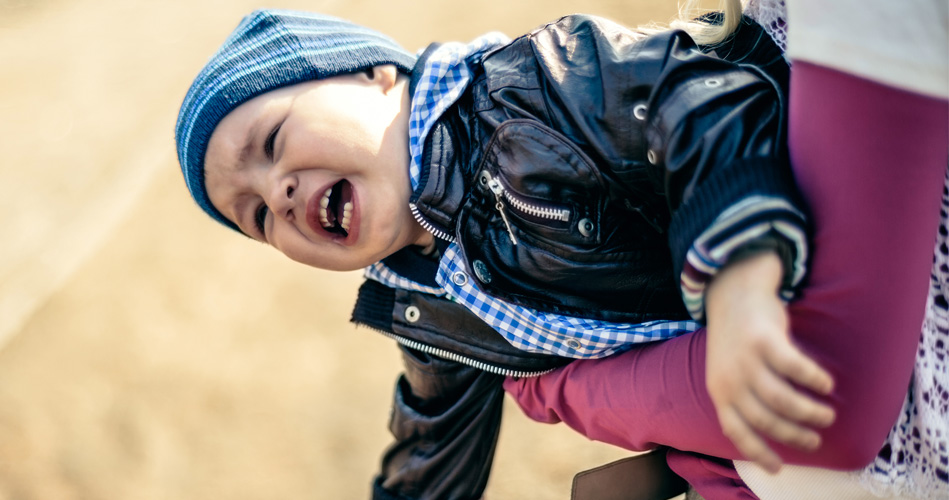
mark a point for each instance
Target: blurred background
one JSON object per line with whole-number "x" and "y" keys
{"x": 145, "y": 351}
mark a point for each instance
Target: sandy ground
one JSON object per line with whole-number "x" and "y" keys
{"x": 148, "y": 353}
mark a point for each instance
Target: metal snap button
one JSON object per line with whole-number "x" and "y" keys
{"x": 481, "y": 271}
{"x": 483, "y": 178}
{"x": 713, "y": 82}
{"x": 651, "y": 156}
{"x": 459, "y": 278}
{"x": 573, "y": 344}
{"x": 586, "y": 227}
{"x": 639, "y": 111}
{"x": 412, "y": 314}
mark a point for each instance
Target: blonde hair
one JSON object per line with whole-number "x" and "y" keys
{"x": 703, "y": 32}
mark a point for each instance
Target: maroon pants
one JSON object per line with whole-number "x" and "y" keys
{"x": 871, "y": 161}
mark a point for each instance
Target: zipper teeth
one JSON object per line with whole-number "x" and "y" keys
{"x": 438, "y": 233}
{"x": 458, "y": 358}
{"x": 536, "y": 211}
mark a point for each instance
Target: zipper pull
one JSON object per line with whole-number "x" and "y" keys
{"x": 498, "y": 191}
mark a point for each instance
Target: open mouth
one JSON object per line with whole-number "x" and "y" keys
{"x": 336, "y": 208}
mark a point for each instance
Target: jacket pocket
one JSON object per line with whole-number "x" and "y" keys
{"x": 589, "y": 259}
{"x": 540, "y": 185}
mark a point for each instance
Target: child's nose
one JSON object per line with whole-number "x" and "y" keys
{"x": 282, "y": 201}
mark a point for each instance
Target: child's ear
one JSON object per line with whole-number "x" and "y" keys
{"x": 384, "y": 75}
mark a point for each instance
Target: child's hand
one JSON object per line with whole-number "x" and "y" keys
{"x": 751, "y": 362}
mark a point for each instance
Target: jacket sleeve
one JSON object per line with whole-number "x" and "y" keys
{"x": 716, "y": 141}
{"x": 445, "y": 421}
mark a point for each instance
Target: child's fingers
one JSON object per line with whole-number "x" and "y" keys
{"x": 791, "y": 403}
{"x": 764, "y": 420}
{"x": 746, "y": 440}
{"x": 788, "y": 360}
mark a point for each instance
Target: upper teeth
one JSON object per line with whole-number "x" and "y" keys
{"x": 347, "y": 211}
{"x": 325, "y": 202}
{"x": 347, "y": 215}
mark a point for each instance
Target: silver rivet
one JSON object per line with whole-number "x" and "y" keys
{"x": 651, "y": 156}
{"x": 639, "y": 111}
{"x": 713, "y": 82}
{"x": 412, "y": 314}
{"x": 586, "y": 227}
{"x": 459, "y": 278}
{"x": 481, "y": 271}
{"x": 574, "y": 344}
{"x": 483, "y": 178}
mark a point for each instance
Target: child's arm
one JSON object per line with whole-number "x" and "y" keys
{"x": 739, "y": 228}
{"x": 717, "y": 143}
{"x": 752, "y": 363}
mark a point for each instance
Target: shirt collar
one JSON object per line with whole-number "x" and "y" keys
{"x": 445, "y": 75}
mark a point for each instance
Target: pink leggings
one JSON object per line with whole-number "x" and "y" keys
{"x": 871, "y": 161}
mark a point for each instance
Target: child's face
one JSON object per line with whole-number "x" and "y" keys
{"x": 319, "y": 169}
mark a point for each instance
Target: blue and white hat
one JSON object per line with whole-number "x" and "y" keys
{"x": 270, "y": 49}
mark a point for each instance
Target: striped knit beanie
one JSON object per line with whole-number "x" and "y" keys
{"x": 270, "y": 49}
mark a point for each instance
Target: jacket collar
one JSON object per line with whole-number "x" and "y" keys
{"x": 439, "y": 193}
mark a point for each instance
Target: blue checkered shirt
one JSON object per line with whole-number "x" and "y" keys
{"x": 445, "y": 77}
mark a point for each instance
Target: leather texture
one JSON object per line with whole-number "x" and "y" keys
{"x": 641, "y": 477}
{"x": 441, "y": 325}
{"x": 616, "y": 135}
{"x": 445, "y": 418}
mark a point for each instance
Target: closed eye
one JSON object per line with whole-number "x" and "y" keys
{"x": 269, "y": 143}
{"x": 260, "y": 217}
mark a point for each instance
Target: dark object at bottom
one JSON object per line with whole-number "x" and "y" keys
{"x": 642, "y": 477}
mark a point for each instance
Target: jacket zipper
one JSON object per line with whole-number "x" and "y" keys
{"x": 428, "y": 226}
{"x": 458, "y": 358}
{"x": 520, "y": 205}
{"x": 495, "y": 186}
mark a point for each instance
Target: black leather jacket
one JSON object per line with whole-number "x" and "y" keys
{"x": 559, "y": 169}
{"x": 604, "y": 158}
